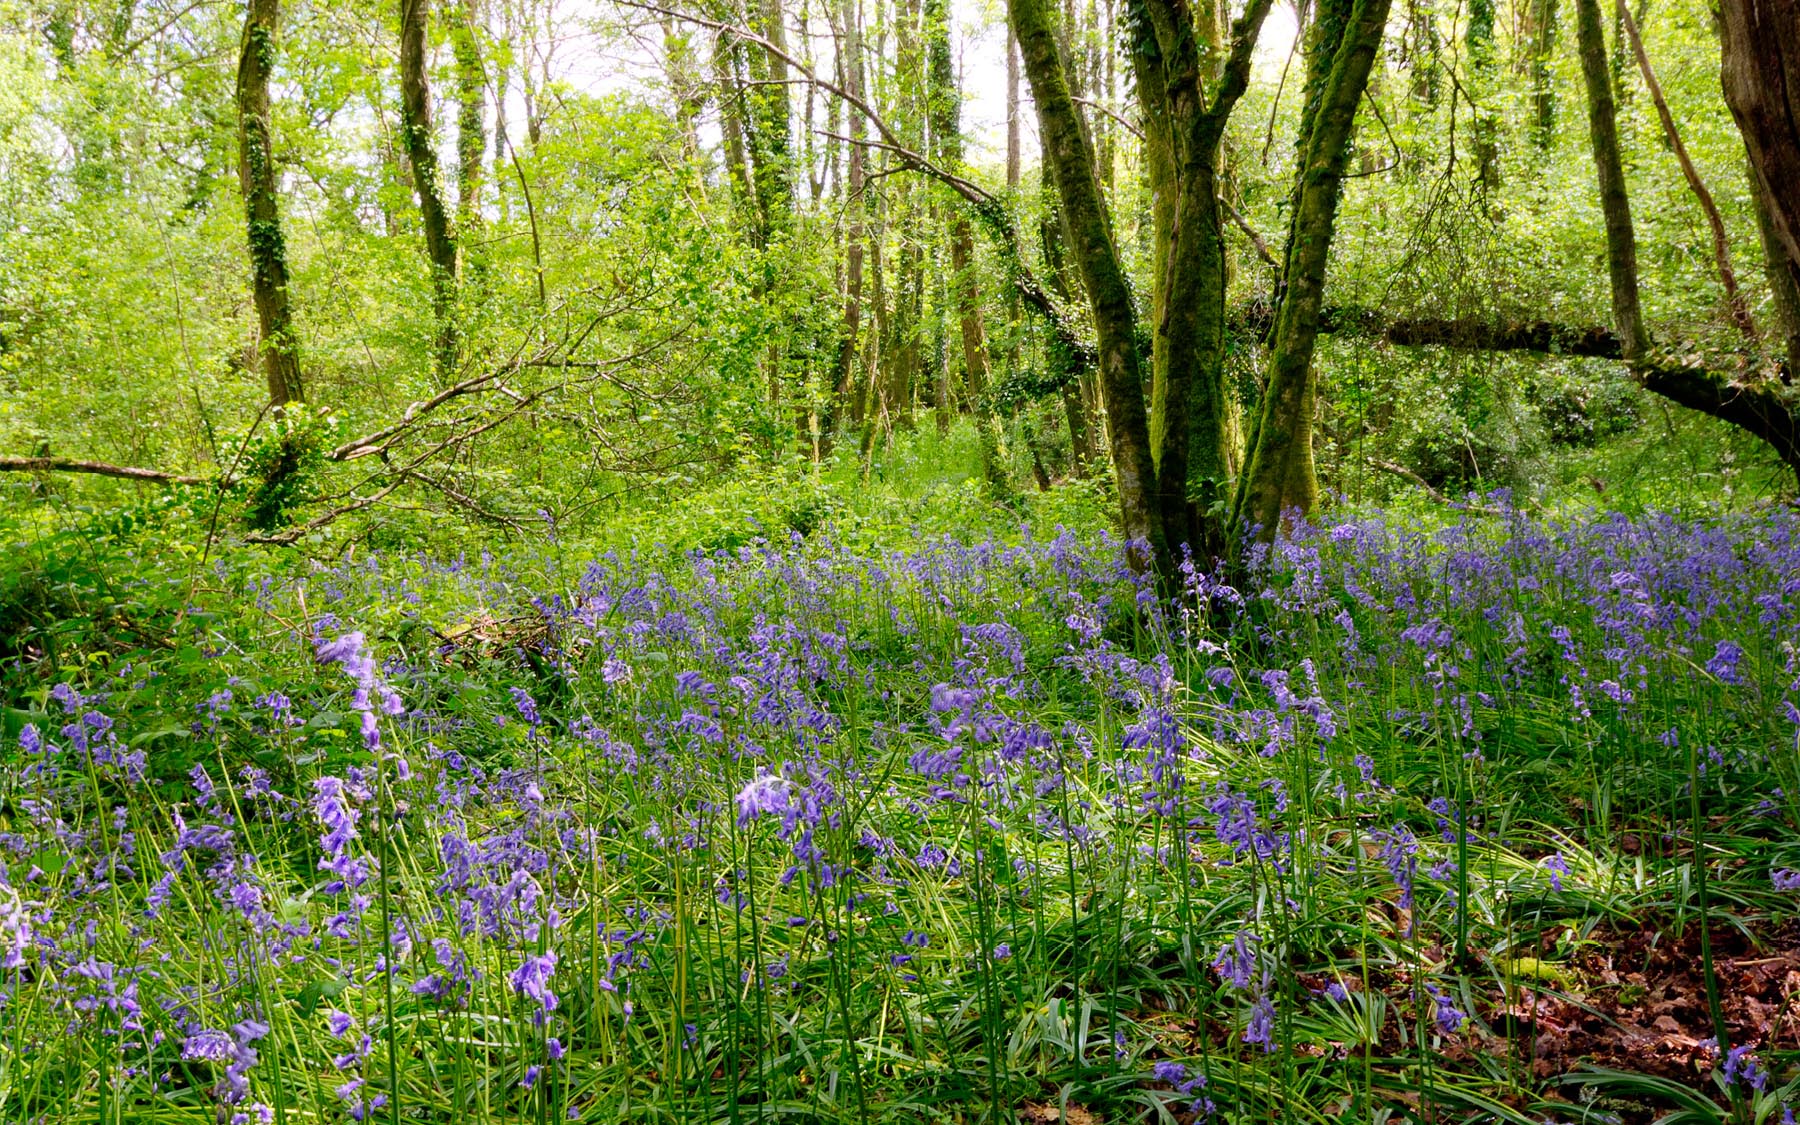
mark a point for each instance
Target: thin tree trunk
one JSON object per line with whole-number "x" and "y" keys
{"x": 1279, "y": 475}
{"x": 421, "y": 153}
{"x": 262, "y": 215}
{"x": 945, "y": 105}
{"x": 1734, "y": 300}
{"x": 731, "y": 124}
{"x": 1540, "y": 46}
{"x": 686, "y": 85}
{"x": 471, "y": 120}
{"x": 1479, "y": 38}
{"x": 768, "y": 123}
{"x": 850, "y": 61}
{"x": 1013, "y": 148}
{"x": 1615, "y": 203}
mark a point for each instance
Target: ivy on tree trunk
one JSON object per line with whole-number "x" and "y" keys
{"x": 421, "y": 154}
{"x": 262, "y": 215}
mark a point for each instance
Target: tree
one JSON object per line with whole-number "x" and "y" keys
{"x": 1760, "y": 72}
{"x": 1193, "y": 419}
{"x": 945, "y": 112}
{"x": 1069, "y": 156}
{"x": 421, "y": 153}
{"x": 471, "y": 117}
{"x": 262, "y": 215}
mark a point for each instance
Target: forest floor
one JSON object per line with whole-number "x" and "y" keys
{"x": 1485, "y": 820}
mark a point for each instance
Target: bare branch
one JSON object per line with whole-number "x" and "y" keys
{"x": 1256, "y": 240}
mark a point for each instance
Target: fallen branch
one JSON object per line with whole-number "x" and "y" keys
{"x": 1408, "y": 474}
{"x": 97, "y": 468}
{"x": 1460, "y": 333}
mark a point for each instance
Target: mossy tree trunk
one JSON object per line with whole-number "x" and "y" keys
{"x": 421, "y": 153}
{"x": 769, "y": 122}
{"x": 1194, "y": 430}
{"x": 727, "y": 56}
{"x": 850, "y": 65}
{"x": 1540, "y": 47}
{"x": 1615, "y": 203}
{"x": 1760, "y": 71}
{"x": 1070, "y": 158}
{"x": 471, "y": 119}
{"x": 262, "y": 215}
{"x": 1279, "y": 475}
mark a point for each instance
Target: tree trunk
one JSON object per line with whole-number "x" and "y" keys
{"x": 686, "y": 83}
{"x": 1071, "y": 161}
{"x": 849, "y": 335}
{"x": 1479, "y": 38}
{"x": 256, "y": 176}
{"x": 1615, "y": 203}
{"x": 1540, "y": 47}
{"x": 421, "y": 153}
{"x": 471, "y": 118}
{"x": 731, "y": 124}
{"x": 1760, "y": 70}
{"x": 1012, "y": 111}
{"x": 1279, "y": 474}
{"x": 945, "y": 110}
{"x": 1193, "y": 421}
{"x": 1784, "y": 282}
{"x": 1761, "y": 406}
{"x": 769, "y": 121}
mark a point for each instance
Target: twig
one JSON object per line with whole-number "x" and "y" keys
{"x": 1130, "y": 126}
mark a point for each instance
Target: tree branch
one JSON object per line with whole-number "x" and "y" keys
{"x": 10, "y": 464}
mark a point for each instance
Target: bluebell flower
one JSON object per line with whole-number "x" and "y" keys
{"x": 1236, "y": 964}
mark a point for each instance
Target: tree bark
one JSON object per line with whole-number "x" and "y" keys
{"x": 1070, "y": 157}
{"x": 471, "y": 118}
{"x": 731, "y": 125}
{"x": 10, "y": 464}
{"x": 262, "y": 215}
{"x": 1784, "y": 285}
{"x": 850, "y": 333}
{"x": 769, "y": 122}
{"x": 1540, "y": 46}
{"x": 945, "y": 110}
{"x": 421, "y": 154}
{"x": 1763, "y": 407}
